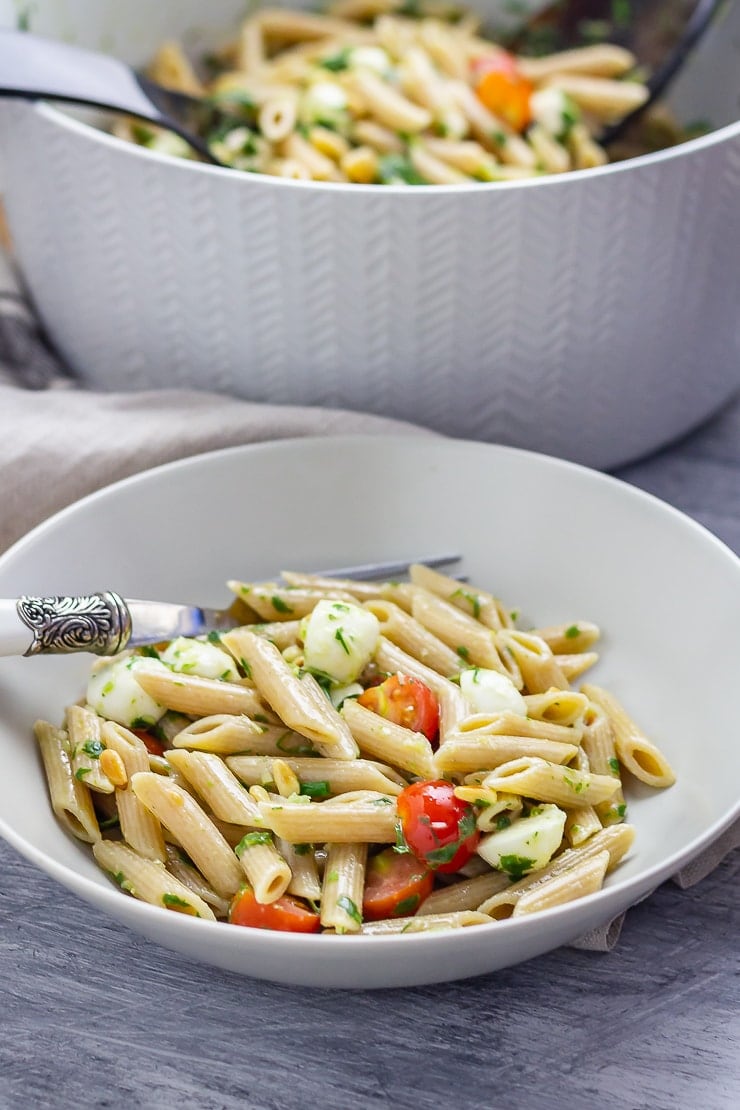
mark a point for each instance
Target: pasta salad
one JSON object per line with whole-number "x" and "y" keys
{"x": 353, "y": 758}
{"x": 396, "y": 92}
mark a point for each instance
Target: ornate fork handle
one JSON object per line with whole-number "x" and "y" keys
{"x": 99, "y": 623}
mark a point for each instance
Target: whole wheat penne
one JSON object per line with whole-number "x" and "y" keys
{"x": 601, "y": 97}
{"x": 171, "y": 67}
{"x": 328, "y": 776}
{"x": 428, "y": 923}
{"x": 538, "y": 778}
{"x": 635, "y": 752}
{"x": 584, "y": 150}
{"x": 139, "y": 827}
{"x": 274, "y": 602}
{"x": 616, "y": 841}
{"x": 70, "y": 798}
{"x": 369, "y": 821}
{"x": 472, "y": 641}
{"x": 387, "y": 741}
{"x": 600, "y": 60}
{"x": 467, "y": 894}
{"x": 301, "y": 860}
{"x": 250, "y": 47}
{"x": 86, "y": 748}
{"x": 196, "y": 696}
{"x": 226, "y": 734}
{"x": 387, "y": 105}
{"x": 477, "y": 603}
{"x": 179, "y": 865}
{"x": 513, "y": 724}
{"x": 569, "y": 639}
{"x": 561, "y": 707}
{"x": 585, "y": 878}
{"x": 598, "y": 744}
{"x": 149, "y": 880}
{"x": 296, "y": 701}
{"x": 342, "y": 887}
{"x": 534, "y": 659}
{"x": 461, "y": 754}
{"x": 573, "y": 666}
{"x": 581, "y": 822}
{"x": 215, "y": 783}
{"x": 267, "y": 871}
{"x": 197, "y": 834}
{"x": 407, "y": 633}
{"x": 283, "y": 634}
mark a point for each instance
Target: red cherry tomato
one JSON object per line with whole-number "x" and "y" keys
{"x": 438, "y": 827}
{"x": 153, "y": 746}
{"x": 406, "y": 701}
{"x": 395, "y": 885}
{"x": 502, "y": 88}
{"x": 286, "y": 914}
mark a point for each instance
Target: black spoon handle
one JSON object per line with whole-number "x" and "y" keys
{"x": 36, "y": 68}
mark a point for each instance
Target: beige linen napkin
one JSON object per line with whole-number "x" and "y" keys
{"x": 59, "y": 442}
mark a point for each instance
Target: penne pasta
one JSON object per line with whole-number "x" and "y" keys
{"x": 635, "y": 752}
{"x": 70, "y": 798}
{"x": 196, "y": 696}
{"x": 320, "y": 778}
{"x": 551, "y": 782}
{"x": 363, "y": 819}
{"x": 86, "y": 748}
{"x": 219, "y": 788}
{"x": 342, "y": 887}
{"x": 149, "y": 880}
{"x": 460, "y": 755}
{"x": 139, "y": 827}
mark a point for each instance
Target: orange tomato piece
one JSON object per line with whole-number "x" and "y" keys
{"x": 503, "y": 90}
{"x": 285, "y": 915}
{"x": 395, "y": 885}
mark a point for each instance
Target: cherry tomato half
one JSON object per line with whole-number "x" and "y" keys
{"x": 286, "y": 914}
{"x": 395, "y": 885}
{"x": 438, "y": 827}
{"x": 406, "y": 701}
{"x": 153, "y": 746}
{"x": 502, "y": 88}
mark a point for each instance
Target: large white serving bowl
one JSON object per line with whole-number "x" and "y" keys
{"x": 592, "y": 316}
{"x": 556, "y": 540}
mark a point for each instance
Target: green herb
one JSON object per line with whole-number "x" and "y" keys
{"x": 516, "y": 866}
{"x": 149, "y": 651}
{"x": 120, "y": 878}
{"x": 614, "y": 765}
{"x": 339, "y": 636}
{"x": 214, "y": 637}
{"x": 110, "y": 822}
{"x": 349, "y": 908}
{"x": 332, "y": 877}
{"x": 335, "y": 63}
{"x": 572, "y": 632}
{"x": 261, "y": 836}
{"x": 396, "y": 169}
{"x": 292, "y": 744}
{"x": 381, "y": 802}
{"x": 621, "y": 809}
{"x": 445, "y": 854}
{"x": 93, "y": 748}
{"x": 81, "y": 772}
{"x": 143, "y": 722}
{"x": 302, "y": 849}
{"x": 315, "y": 789}
{"x": 471, "y": 598}
{"x": 407, "y": 906}
{"x": 499, "y": 138}
{"x": 401, "y": 846}
{"x": 503, "y": 822}
{"x": 109, "y": 686}
{"x": 280, "y": 606}
{"x": 514, "y": 614}
{"x": 174, "y": 900}
{"x": 579, "y": 787}
{"x": 463, "y": 652}
{"x": 245, "y": 667}
{"x": 481, "y": 803}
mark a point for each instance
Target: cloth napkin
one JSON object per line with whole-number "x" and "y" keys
{"x": 59, "y": 442}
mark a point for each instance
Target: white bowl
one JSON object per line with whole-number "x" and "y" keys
{"x": 557, "y": 540}
{"x": 592, "y": 316}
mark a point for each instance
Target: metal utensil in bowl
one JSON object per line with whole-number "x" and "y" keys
{"x": 37, "y": 68}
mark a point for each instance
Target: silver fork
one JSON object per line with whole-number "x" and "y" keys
{"x": 104, "y": 623}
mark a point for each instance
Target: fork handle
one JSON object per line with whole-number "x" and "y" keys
{"x": 98, "y": 623}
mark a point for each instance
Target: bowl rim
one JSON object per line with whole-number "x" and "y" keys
{"x": 642, "y": 884}
{"x": 93, "y": 133}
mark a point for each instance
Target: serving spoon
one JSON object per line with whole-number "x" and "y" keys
{"x": 661, "y": 33}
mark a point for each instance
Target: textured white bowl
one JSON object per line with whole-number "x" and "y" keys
{"x": 560, "y": 541}
{"x": 592, "y": 316}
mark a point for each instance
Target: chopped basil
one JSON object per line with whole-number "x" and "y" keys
{"x": 339, "y": 636}
{"x": 463, "y": 652}
{"x": 93, "y": 748}
{"x": 142, "y": 722}
{"x": 332, "y": 877}
{"x": 382, "y": 802}
{"x": 261, "y": 836}
{"x": 396, "y": 169}
{"x": 149, "y": 651}
{"x": 110, "y": 822}
{"x": 622, "y": 809}
{"x": 281, "y": 606}
{"x": 579, "y": 787}
{"x": 293, "y": 744}
{"x": 407, "y": 906}
{"x": 503, "y": 822}
{"x": 335, "y": 63}
{"x": 120, "y": 878}
{"x": 174, "y": 900}
{"x": 614, "y": 765}
{"x": 302, "y": 849}
{"x": 445, "y": 854}
{"x": 516, "y": 866}
{"x": 107, "y": 689}
{"x": 315, "y": 789}
{"x": 81, "y": 772}
{"x": 214, "y": 637}
{"x": 481, "y": 803}
{"x": 349, "y": 908}
{"x": 572, "y": 632}
{"x": 471, "y": 598}
{"x": 401, "y": 845}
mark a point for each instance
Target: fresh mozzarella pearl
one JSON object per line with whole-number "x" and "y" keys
{"x": 488, "y": 691}
{"x": 371, "y": 57}
{"x": 529, "y": 843}
{"x": 340, "y": 639}
{"x": 550, "y": 108}
{"x": 323, "y": 100}
{"x": 114, "y": 693}
{"x": 196, "y": 657}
